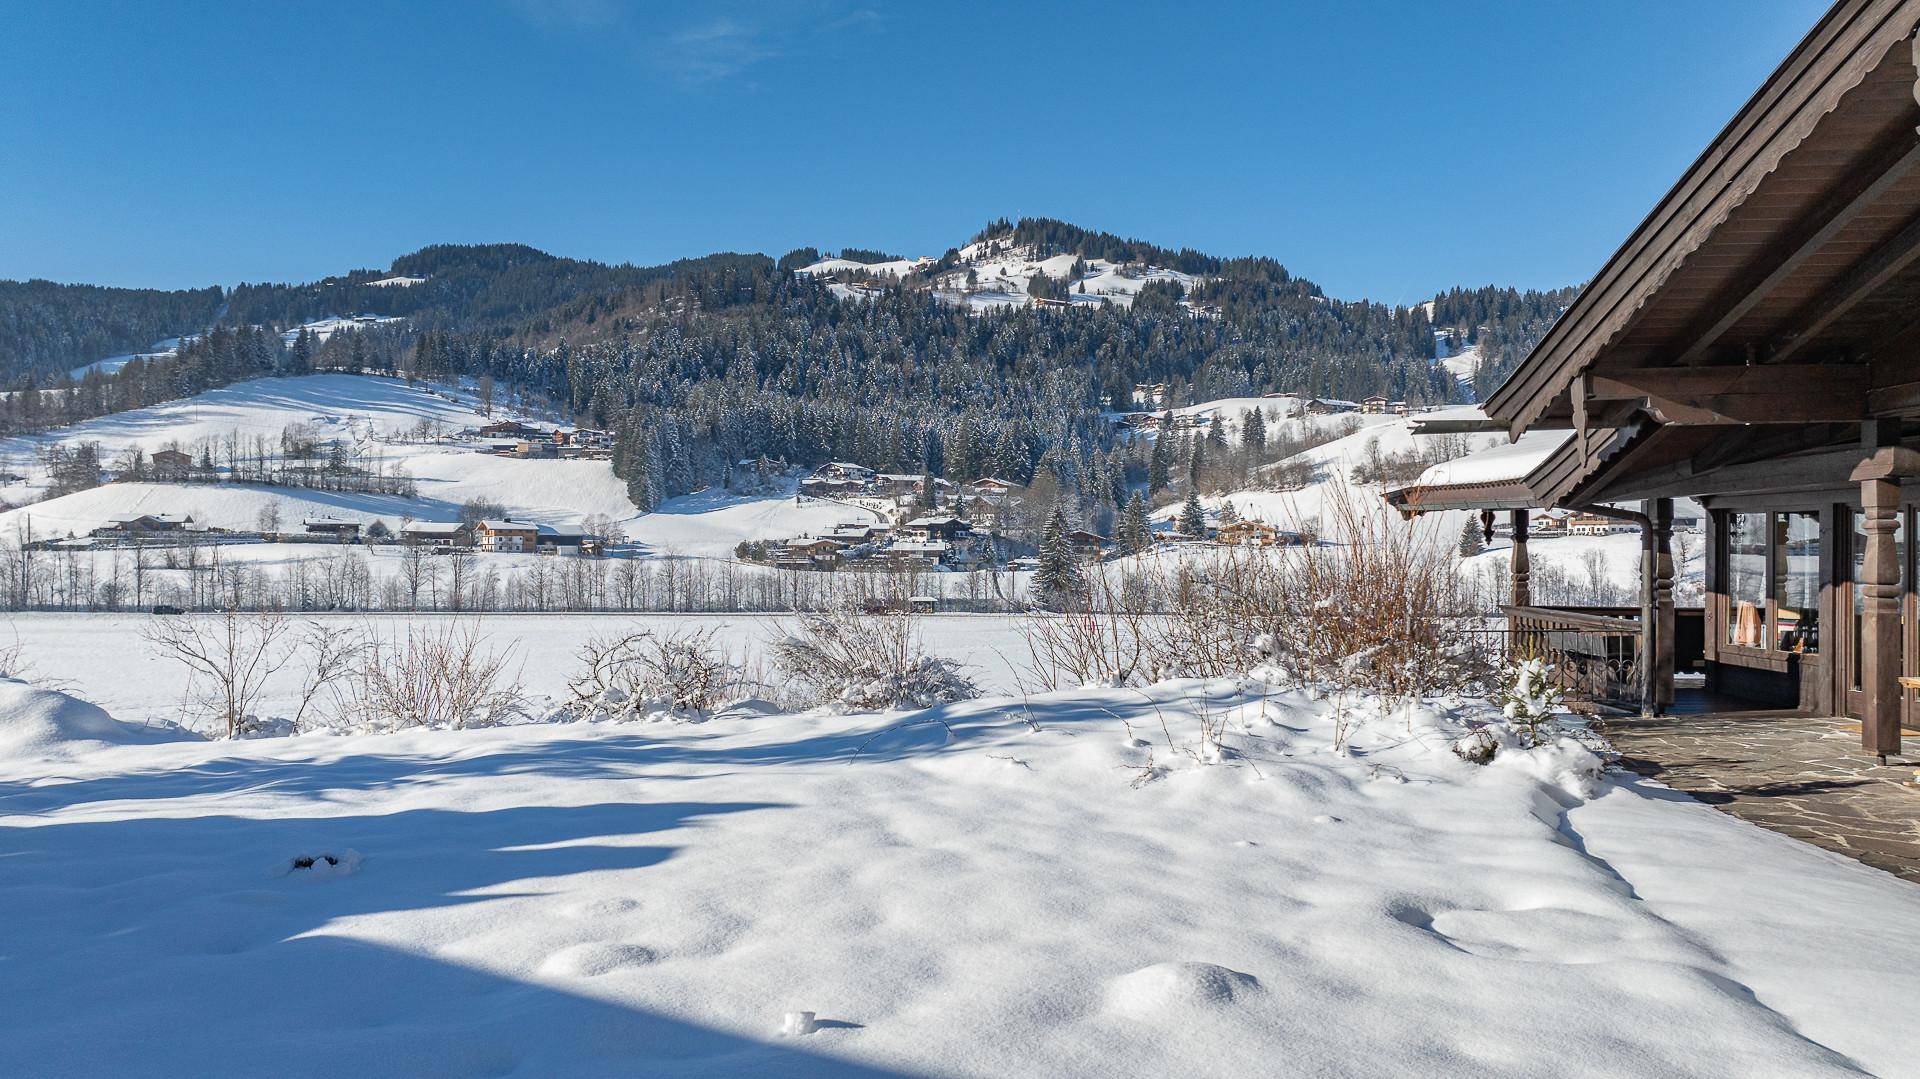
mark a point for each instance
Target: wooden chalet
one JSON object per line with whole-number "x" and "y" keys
{"x": 1085, "y": 545}
{"x": 342, "y": 530}
{"x": 1754, "y": 345}
{"x": 505, "y": 536}
{"x": 436, "y": 533}
{"x": 171, "y": 461}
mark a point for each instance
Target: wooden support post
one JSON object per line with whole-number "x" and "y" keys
{"x": 1522, "y": 567}
{"x": 1663, "y": 618}
{"x": 1649, "y": 627}
{"x": 1886, "y": 463}
{"x": 1880, "y": 619}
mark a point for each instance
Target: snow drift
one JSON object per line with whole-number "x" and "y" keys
{"x": 40, "y": 722}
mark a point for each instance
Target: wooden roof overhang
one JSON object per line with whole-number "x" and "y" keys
{"x": 1767, "y": 307}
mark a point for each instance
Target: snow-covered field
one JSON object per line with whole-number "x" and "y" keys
{"x": 379, "y": 415}
{"x": 1045, "y": 886}
{"x": 139, "y": 685}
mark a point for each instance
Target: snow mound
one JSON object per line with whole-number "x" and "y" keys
{"x": 596, "y": 958}
{"x": 1163, "y": 986}
{"x": 39, "y": 722}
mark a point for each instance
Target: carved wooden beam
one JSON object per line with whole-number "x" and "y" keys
{"x": 1880, "y": 266}
{"x": 1767, "y": 393}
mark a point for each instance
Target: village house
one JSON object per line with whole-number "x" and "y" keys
{"x": 1374, "y": 405}
{"x": 810, "y": 552}
{"x": 566, "y": 541}
{"x": 1150, "y": 395}
{"x": 1254, "y": 534}
{"x": 903, "y": 485}
{"x": 436, "y": 533}
{"x": 854, "y": 534}
{"x": 1593, "y": 524}
{"x": 344, "y": 531}
{"x": 584, "y": 438}
{"x": 843, "y": 471}
{"x": 913, "y": 554}
{"x": 171, "y": 462}
{"x": 1328, "y": 406}
{"x": 511, "y": 429}
{"x": 826, "y": 487}
{"x": 1751, "y": 346}
{"x": 505, "y": 536}
{"x": 145, "y": 525}
{"x": 990, "y": 487}
{"x": 1086, "y": 546}
{"x": 945, "y": 529}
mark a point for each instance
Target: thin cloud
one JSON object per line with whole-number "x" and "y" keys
{"x": 716, "y": 49}
{"x": 710, "y": 50}
{"x": 570, "y": 15}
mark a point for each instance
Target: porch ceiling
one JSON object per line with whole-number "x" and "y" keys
{"x": 1795, "y": 237}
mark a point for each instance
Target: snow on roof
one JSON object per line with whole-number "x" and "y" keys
{"x": 1510, "y": 463}
{"x": 507, "y": 526}
{"x": 434, "y": 528}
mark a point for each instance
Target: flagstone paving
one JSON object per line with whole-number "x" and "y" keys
{"x": 1802, "y": 776}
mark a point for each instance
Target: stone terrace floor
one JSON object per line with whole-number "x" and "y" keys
{"x": 1802, "y": 776}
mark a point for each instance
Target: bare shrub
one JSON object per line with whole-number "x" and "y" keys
{"x": 1378, "y": 609}
{"x": 1106, "y": 643}
{"x": 438, "y": 677}
{"x": 331, "y": 654}
{"x": 229, "y": 656}
{"x": 852, "y": 658}
{"x": 645, "y": 674}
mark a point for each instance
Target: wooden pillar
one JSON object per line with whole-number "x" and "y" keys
{"x": 1879, "y": 478}
{"x": 1522, "y": 567}
{"x": 1649, "y": 626}
{"x": 1662, "y": 625}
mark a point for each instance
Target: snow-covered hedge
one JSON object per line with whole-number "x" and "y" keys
{"x": 646, "y": 675}
{"x": 857, "y": 661}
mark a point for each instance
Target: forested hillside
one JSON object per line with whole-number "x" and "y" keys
{"x": 47, "y": 327}
{"x": 701, "y": 363}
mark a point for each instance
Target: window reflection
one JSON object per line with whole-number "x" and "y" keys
{"x": 1746, "y": 579}
{"x": 1796, "y": 576}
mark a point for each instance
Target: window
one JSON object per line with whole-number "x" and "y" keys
{"x": 1796, "y": 582}
{"x": 1747, "y": 579}
{"x": 1859, "y": 558}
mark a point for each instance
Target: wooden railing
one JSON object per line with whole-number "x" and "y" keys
{"x": 1596, "y": 651}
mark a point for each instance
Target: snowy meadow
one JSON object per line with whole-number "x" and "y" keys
{"x": 1234, "y": 875}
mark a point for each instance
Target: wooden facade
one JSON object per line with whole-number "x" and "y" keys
{"x": 1755, "y": 345}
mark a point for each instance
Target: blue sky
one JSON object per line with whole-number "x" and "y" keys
{"x": 1384, "y": 149}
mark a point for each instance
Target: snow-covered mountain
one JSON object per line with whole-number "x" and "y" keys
{"x": 996, "y": 272}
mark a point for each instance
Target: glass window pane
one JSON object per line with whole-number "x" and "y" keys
{"x": 1747, "y": 579}
{"x": 1796, "y": 577}
{"x": 1858, "y": 553}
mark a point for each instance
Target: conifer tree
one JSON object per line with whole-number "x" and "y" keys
{"x": 1193, "y": 519}
{"x": 1135, "y": 533}
{"x": 1253, "y": 434}
{"x": 1058, "y": 578}
{"x": 1470, "y": 541}
{"x": 1159, "y": 466}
